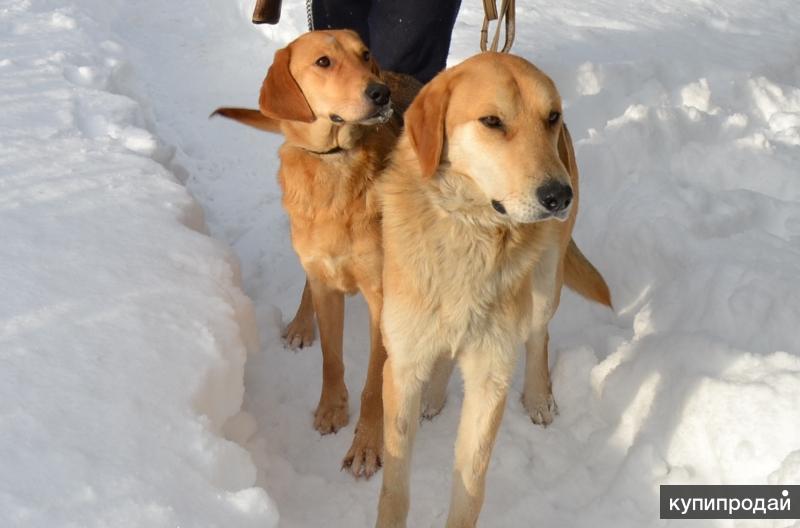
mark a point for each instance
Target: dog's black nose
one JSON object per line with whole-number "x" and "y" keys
{"x": 554, "y": 196}
{"x": 378, "y": 93}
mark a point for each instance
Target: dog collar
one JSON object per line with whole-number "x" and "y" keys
{"x": 334, "y": 150}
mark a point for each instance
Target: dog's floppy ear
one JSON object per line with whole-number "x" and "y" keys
{"x": 424, "y": 121}
{"x": 374, "y": 67}
{"x": 565, "y": 149}
{"x": 281, "y": 96}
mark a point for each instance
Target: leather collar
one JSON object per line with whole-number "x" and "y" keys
{"x": 334, "y": 150}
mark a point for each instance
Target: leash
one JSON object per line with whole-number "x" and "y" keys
{"x": 269, "y": 12}
{"x": 310, "y": 15}
{"x": 505, "y": 17}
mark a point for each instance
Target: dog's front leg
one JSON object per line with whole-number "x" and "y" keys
{"x": 299, "y": 333}
{"x": 332, "y": 412}
{"x": 537, "y": 396}
{"x": 364, "y": 456}
{"x": 402, "y": 392}
{"x": 487, "y": 375}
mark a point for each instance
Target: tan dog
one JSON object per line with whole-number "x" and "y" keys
{"x": 325, "y": 94}
{"x": 479, "y": 203}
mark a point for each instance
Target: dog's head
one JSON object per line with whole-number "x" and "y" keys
{"x": 325, "y": 75}
{"x": 495, "y": 119}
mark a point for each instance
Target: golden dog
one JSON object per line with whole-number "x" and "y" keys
{"x": 479, "y": 203}
{"x": 325, "y": 94}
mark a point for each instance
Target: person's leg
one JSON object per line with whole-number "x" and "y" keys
{"x": 412, "y": 36}
{"x": 342, "y": 14}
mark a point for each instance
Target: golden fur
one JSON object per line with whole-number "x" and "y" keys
{"x": 335, "y": 221}
{"x": 333, "y": 213}
{"x": 464, "y": 280}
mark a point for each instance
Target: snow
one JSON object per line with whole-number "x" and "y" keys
{"x": 123, "y": 329}
{"x": 124, "y": 394}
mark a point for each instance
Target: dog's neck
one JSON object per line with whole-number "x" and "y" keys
{"x": 456, "y": 197}
{"x": 450, "y": 209}
{"x": 322, "y": 136}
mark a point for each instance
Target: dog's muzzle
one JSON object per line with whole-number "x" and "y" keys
{"x": 382, "y": 115}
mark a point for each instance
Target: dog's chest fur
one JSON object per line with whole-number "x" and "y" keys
{"x": 334, "y": 217}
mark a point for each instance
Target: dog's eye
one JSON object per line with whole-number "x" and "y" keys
{"x": 491, "y": 121}
{"x": 366, "y": 56}
{"x": 553, "y": 118}
{"x": 323, "y": 62}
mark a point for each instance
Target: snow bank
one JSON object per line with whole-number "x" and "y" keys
{"x": 123, "y": 332}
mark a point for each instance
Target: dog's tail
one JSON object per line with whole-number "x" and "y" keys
{"x": 583, "y": 278}
{"x": 249, "y": 117}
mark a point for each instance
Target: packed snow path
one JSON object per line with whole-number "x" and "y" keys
{"x": 686, "y": 117}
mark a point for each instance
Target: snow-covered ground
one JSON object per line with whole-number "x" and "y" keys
{"x": 123, "y": 329}
{"x": 123, "y": 333}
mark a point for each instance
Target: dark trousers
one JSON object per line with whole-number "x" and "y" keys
{"x": 406, "y": 36}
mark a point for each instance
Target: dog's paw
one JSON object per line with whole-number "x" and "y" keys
{"x": 299, "y": 333}
{"x": 431, "y": 407}
{"x": 331, "y": 416}
{"x": 364, "y": 457}
{"x": 541, "y": 408}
